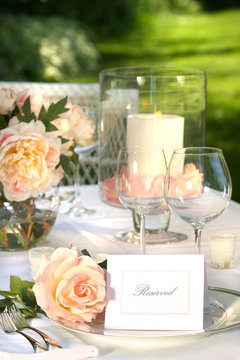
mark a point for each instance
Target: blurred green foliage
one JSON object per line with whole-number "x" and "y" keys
{"x": 44, "y": 49}
{"x": 100, "y": 17}
{"x": 52, "y": 40}
{"x": 204, "y": 40}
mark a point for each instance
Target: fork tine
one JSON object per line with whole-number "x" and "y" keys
{"x": 16, "y": 319}
{"x": 9, "y": 327}
{"x": 22, "y": 323}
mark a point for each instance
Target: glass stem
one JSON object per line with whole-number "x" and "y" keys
{"x": 142, "y": 233}
{"x": 198, "y": 232}
{"x": 78, "y": 200}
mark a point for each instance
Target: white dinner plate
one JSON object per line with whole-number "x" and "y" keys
{"x": 224, "y": 314}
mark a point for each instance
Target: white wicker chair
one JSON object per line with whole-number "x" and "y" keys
{"x": 85, "y": 95}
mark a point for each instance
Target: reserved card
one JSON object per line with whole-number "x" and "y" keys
{"x": 155, "y": 292}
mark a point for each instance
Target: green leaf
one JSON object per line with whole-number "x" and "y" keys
{"x": 28, "y": 312}
{"x": 85, "y": 252}
{"x": 28, "y": 297}
{"x": 63, "y": 141}
{"x": 16, "y": 283}
{"x": 75, "y": 158}
{"x": 103, "y": 264}
{"x": 27, "y": 115}
{"x": 65, "y": 163}
{"x": 8, "y": 293}
{"x": 53, "y": 112}
{"x": 5, "y": 303}
{"x": 3, "y": 122}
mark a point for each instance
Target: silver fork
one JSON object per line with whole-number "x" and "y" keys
{"x": 9, "y": 328}
{"x": 21, "y": 323}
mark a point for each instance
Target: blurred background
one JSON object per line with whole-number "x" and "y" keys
{"x": 72, "y": 41}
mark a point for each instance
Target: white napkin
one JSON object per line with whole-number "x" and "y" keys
{"x": 77, "y": 353}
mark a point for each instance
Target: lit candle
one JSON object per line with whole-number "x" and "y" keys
{"x": 156, "y": 130}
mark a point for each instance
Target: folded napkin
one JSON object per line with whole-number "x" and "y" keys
{"x": 77, "y": 353}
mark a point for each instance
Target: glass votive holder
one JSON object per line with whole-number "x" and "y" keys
{"x": 222, "y": 250}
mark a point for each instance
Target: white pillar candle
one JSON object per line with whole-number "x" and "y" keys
{"x": 164, "y": 130}
{"x": 222, "y": 250}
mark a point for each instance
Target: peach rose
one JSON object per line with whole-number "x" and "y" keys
{"x": 28, "y": 159}
{"x": 69, "y": 287}
{"x": 36, "y": 100}
{"x": 75, "y": 125}
{"x": 7, "y": 101}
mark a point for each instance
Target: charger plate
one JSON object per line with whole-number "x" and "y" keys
{"x": 224, "y": 313}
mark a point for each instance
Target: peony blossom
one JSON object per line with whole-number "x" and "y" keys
{"x": 7, "y": 101}
{"x": 75, "y": 125}
{"x": 36, "y": 100}
{"x": 28, "y": 159}
{"x": 69, "y": 287}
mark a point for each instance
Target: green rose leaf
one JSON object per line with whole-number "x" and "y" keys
{"x": 8, "y": 293}
{"x": 85, "y": 252}
{"x": 5, "y": 303}
{"x": 16, "y": 283}
{"x": 103, "y": 264}
{"x": 28, "y": 297}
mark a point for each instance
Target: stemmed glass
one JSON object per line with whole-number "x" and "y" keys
{"x": 198, "y": 186}
{"x": 140, "y": 181}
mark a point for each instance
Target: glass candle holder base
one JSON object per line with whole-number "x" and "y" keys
{"x": 167, "y": 237}
{"x": 156, "y": 224}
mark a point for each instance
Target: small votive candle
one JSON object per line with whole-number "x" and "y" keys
{"x": 222, "y": 250}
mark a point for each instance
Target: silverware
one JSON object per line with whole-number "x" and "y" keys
{"x": 21, "y": 323}
{"x": 9, "y": 328}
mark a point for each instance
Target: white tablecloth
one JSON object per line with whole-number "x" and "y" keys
{"x": 97, "y": 233}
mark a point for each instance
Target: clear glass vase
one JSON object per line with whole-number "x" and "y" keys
{"x": 25, "y": 224}
{"x": 148, "y": 106}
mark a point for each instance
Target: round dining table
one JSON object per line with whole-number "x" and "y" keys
{"x": 97, "y": 234}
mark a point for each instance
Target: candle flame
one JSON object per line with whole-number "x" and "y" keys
{"x": 158, "y": 113}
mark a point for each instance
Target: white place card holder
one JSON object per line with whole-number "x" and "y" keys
{"x": 155, "y": 292}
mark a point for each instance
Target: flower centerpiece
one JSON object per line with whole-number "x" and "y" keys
{"x": 36, "y": 142}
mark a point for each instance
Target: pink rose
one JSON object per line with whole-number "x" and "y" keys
{"x": 75, "y": 125}
{"x": 69, "y": 287}
{"x": 7, "y": 101}
{"x": 36, "y": 100}
{"x": 28, "y": 159}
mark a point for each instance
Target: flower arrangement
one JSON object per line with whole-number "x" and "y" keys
{"x": 36, "y": 146}
{"x": 68, "y": 287}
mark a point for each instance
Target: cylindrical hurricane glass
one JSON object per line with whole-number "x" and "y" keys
{"x": 148, "y": 106}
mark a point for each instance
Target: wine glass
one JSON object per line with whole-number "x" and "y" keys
{"x": 140, "y": 181}
{"x": 71, "y": 201}
{"x": 198, "y": 186}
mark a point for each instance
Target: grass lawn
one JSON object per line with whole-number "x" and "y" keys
{"x": 205, "y": 40}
